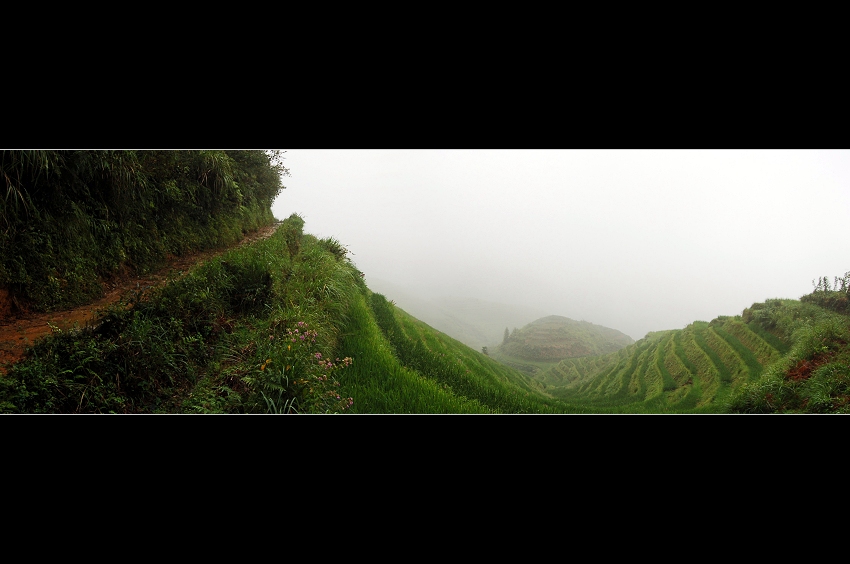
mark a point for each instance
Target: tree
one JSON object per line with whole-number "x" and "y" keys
{"x": 507, "y": 335}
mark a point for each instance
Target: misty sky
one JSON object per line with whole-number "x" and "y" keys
{"x": 635, "y": 240}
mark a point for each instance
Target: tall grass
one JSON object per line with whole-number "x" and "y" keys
{"x": 466, "y": 373}
{"x": 814, "y": 375}
{"x": 380, "y": 383}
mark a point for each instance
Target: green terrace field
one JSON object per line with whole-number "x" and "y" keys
{"x": 692, "y": 369}
{"x": 541, "y": 344}
{"x": 420, "y": 370}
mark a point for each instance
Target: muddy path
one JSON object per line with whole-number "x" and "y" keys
{"x": 18, "y": 331}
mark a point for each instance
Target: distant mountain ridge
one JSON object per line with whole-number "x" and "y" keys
{"x": 556, "y": 337}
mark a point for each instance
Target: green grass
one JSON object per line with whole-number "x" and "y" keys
{"x": 691, "y": 370}
{"x": 813, "y": 376}
{"x": 380, "y": 383}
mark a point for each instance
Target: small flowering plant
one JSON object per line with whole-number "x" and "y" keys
{"x": 318, "y": 386}
{"x": 300, "y": 379}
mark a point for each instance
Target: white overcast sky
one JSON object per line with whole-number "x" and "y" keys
{"x": 635, "y": 240}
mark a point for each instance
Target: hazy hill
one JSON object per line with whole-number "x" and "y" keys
{"x": 555, "y": 337}
{"x": 475, "y": 323}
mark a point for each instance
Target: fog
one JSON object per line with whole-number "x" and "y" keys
{"x": 635, "y": 240}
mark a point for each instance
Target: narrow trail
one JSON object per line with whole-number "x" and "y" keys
{"x": 17, "y": 332}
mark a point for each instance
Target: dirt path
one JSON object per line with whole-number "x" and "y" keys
{"x": 19, "y": 331}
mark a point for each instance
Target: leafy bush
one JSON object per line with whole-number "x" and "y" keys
{"x": 835, "y": 297}
{"x": 292, "y": 231}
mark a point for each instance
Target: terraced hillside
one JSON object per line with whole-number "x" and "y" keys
{"x": 544, "y": 342}
{"x": 420, "y": 370}
{"x": 555, "y": 337}
{"x": 685, "y": 370}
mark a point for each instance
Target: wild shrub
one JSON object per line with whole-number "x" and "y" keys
{"x": 250, "y": 286}
{"x": 292, "y": 229}
{"x": 127, "y": 364}
{"x": 837, "y": 301}
{"x": 334, "y": 247}
{"x": 828, "y": 389}
{"x": 835, "y": 296}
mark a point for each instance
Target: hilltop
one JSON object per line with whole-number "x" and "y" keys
{"x": 556, "y": 337}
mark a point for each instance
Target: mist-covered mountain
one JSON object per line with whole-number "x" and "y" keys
{"x": 476, "y": 323}
{"x": 555, "y": 337}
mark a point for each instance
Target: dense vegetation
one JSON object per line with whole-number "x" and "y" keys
{"x": 283, "y": 325}
{"x": 813, "y": 374}
{"x": 70, "y": 219}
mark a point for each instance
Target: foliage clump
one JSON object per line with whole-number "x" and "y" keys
{"x": 835, "y": 296}
{"x": 69, "y": 219}
{"x": 813, "y": 375}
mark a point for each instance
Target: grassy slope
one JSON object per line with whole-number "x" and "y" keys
{"x": 281, "y": 325}
{"x": 688, "y": 370}
{"x": 788, "y": 356}
{"x": 405, "y": 358}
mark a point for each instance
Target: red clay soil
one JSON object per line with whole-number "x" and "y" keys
{"x": 19, "y": 329}
{"x": 804, "y": 368}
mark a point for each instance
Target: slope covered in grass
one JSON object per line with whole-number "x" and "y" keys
{"x": 454, "y": 367}
{"x": 813, "y": 374}
{"x": 779, "y": 356}
{"x": 283, "y": 325}
{"x": 691, "y": 369}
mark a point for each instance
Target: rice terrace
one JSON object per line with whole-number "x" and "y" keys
{"x": 263, "y": 317}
